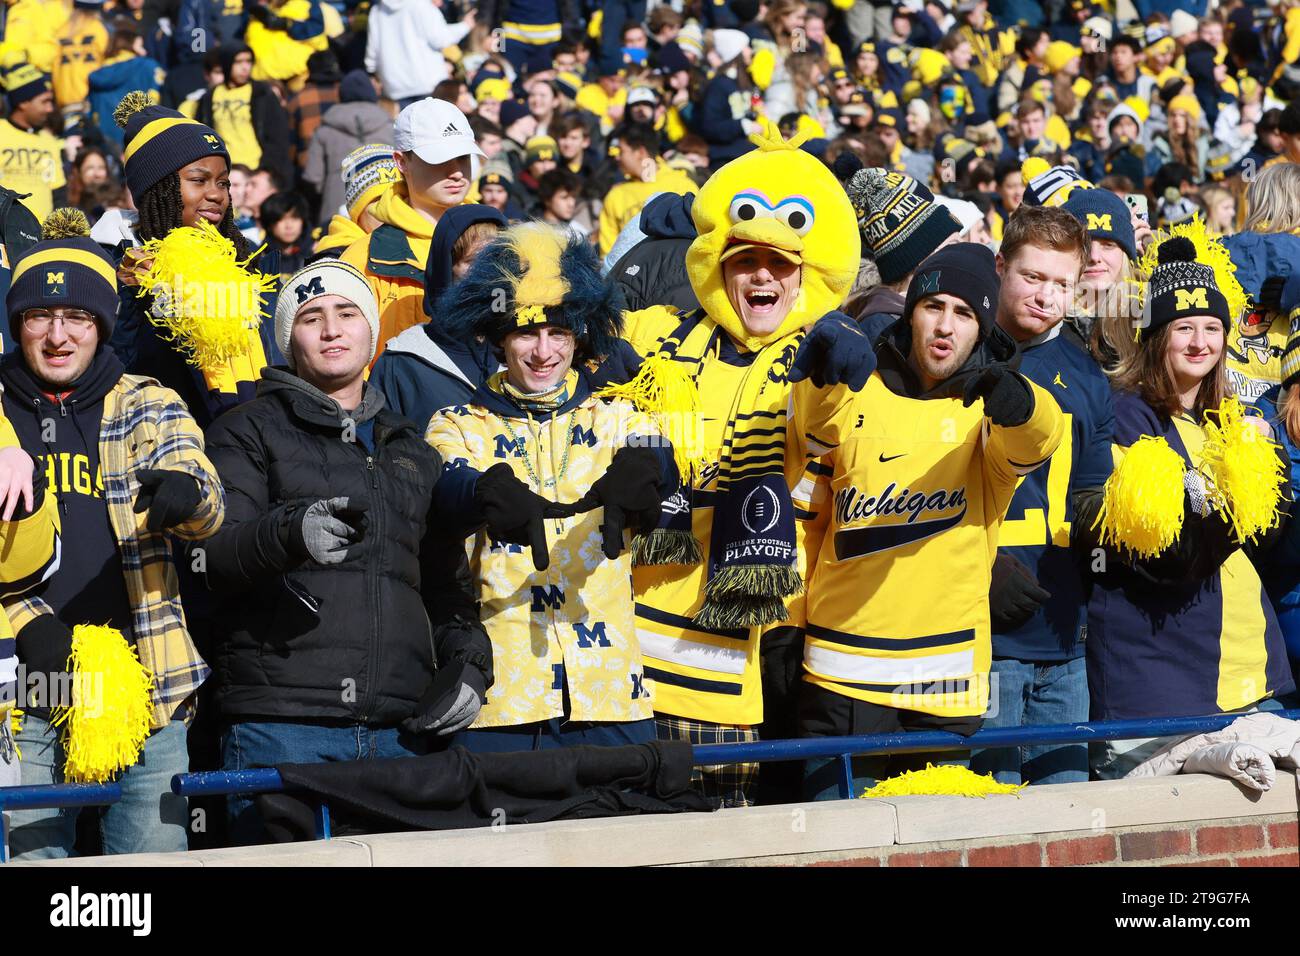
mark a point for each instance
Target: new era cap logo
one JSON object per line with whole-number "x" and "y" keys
{"x": 452, "y": 130}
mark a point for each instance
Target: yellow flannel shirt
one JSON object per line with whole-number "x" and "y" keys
{"x": 148, "y": 426}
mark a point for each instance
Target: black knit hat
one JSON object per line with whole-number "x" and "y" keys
{"x": 65, "y": 270}
{"x": 1180, "y": 286}
{"x": 966, "y": 270}
{"x": 899, "y": 220}
{"x": 24, "y": 82}
{"x": 159, "y": 141}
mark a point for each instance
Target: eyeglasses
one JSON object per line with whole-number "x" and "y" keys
{"x": 75, "y": 322}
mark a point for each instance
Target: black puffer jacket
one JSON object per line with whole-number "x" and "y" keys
{"x": 351, "y": 641}
{"x": 653, "y": 272}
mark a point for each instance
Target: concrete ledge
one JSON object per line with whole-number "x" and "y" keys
{"x": 933, "y": 830}
{"x": 1090, "y": 806}
{"x": 647, "y": 841}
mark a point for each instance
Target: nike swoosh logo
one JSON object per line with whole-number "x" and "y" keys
{"x": 891, "y": 457}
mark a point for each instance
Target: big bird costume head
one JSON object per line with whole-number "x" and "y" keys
{"x": 782, "y": 197}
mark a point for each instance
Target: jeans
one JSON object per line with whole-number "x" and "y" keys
{"x": 253, "y": 744}
{"x": 148, "y": 819}
{"x": 552, "y": 734}
{"x": 1029, "y": 694}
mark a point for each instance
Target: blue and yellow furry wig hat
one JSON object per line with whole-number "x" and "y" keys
{"x": 532, "y": 275}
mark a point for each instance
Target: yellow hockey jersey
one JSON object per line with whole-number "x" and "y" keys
{"x": 911, "y": 494}
{"x": 710, "y": 675}
{"x": 572, "y": 623}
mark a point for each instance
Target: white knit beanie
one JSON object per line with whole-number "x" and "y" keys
{"x": 326, "y": 277}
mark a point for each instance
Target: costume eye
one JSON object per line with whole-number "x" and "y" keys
{"x": 797, "y": 213}
{"x": 749, "y": 205}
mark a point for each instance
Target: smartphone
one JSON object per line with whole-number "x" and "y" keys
{"x": 1138, "y": 203}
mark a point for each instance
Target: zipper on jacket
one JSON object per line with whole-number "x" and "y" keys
{"x": 376, "y": 508}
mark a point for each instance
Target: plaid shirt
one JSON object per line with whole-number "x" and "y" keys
{"x": 306, "y": 108}
{"x": 148, "y": 426}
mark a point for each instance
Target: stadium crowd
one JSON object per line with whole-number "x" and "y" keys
{"x": 604, "y": 372}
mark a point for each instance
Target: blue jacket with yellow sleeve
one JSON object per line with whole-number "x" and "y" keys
{"x": 1207, "y": 642}
{"x": 1039, "y": 524}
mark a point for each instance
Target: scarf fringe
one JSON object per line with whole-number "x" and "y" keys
{"x": 666, "y": 546}
{"x": 748, "y": 596}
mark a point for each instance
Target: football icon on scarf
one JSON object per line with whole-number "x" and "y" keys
{"x": 760, "y": 510}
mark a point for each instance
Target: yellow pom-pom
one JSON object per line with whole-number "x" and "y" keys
{"x": 1244, "y": 468}
{"x": 205, "y": 299}
{"x": 1142, "y": 507}
{"x": 945, "y": 780}
{"x": 65, "y": 223}
{"x": 112, "y": 706}
{"x": 663, "y": 388}
{"x": 131, "y": 104}
{"x": 762, "y": 68}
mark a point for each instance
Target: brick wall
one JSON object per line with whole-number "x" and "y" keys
{"x": 1243, "y": 841}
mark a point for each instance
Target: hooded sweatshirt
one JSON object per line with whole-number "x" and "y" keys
{"x": 425, "y": 369}
{"x": 112, "y": 81}
{"x": 405, "y": 43}
{"x": 61, "y": 431}
{"x": 345, "y": 127}
{"x": 653, "y": 272}
{"x": 909, "y": 480}
{"x": 393, "y": 258}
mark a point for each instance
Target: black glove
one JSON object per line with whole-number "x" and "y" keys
{"x": 1281, "y": 293}
{"x": 1008, "y": 400}
{"x": 44, "y": 645}
{"x": 1014, "y": 594}
{"x": 452, "y": 701}
{"x": 835, "y": 351}
{"x": 630, "y": 494}
{"x": 514, "y": 512}
{"x": 258, "y": 11}
{"x": 170, "y": 497}
{"x": 1205, "y": 542}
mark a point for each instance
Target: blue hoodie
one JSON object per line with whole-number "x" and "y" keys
{"x": 113, "y": 81}
{"x": 424, "y": 369}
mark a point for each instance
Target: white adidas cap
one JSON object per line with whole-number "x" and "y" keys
{"x": 436, "y": 131}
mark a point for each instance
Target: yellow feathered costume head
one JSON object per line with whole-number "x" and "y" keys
{"x": 780, "y": 196}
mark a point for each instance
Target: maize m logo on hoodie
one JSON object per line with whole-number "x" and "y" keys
{"x": 907, "y": 516}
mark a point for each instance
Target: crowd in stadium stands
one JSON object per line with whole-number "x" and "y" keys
{"x": 920, "y": 278}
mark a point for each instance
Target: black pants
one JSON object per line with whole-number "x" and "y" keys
{"x": 824, "y": 713}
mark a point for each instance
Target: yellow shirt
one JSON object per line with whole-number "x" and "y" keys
{"x": 31, "y": 163}
{"x": 82, "y": 45}
{"x": 232, "y": 117}
{"x": 625, "y": 200}
{"x": 31, "y": 31}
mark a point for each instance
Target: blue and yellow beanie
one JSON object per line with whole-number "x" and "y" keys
{"x": 159, "y": 141}
{"x": 24, "y": 82}
{"x": 65, "y": 270}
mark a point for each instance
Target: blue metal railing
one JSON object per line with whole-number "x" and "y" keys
{"x": 841, "y": 748}
{"x": 51, "y": 796}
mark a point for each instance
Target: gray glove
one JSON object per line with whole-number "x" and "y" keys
{"x": 452, "y": 701}
{"x": 329, "y": 531}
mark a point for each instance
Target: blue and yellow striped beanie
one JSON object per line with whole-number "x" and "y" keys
{"x": 159, "y": 141}
{"x": 65, "y": 270}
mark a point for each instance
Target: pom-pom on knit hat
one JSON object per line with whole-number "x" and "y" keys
{"x": 900, "y": 221}
{"x": 65, "y": 270}
{"x": 159, "y": 141}
{"x": 1180, "y": 287}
